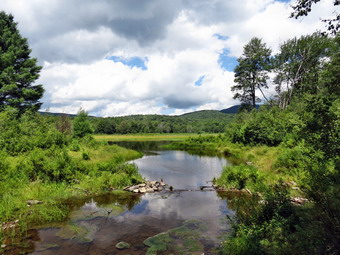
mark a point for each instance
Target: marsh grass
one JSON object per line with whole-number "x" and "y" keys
{"x": 55, "y": 175}
{"x": 149, "y": 137}
{"x": 272, "y": 164}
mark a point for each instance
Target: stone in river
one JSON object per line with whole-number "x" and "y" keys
{"x": 149, "y": 190}
{"x": 122, "y": 245}
{"x": 142, "y": 190}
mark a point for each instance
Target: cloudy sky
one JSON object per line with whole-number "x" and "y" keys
{"x": 121, "y": 57}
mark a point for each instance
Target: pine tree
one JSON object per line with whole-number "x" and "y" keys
{"x": 252, "y": 72}
{"x": 18, "y": 70}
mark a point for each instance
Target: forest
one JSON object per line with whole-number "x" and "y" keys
{"x": 207, "y": 121}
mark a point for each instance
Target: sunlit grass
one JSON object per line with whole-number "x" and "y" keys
{"x": 105, "y": 153}
{"x": 148, "y": 137}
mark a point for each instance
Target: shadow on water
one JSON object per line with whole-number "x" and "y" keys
{"x": 187, "y": 222}
{"x": 147, "y": 147}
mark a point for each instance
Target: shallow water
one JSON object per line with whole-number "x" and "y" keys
{"x": 191, "y": 220}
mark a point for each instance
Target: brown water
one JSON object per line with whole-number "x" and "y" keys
{"x": 191, "y": 221}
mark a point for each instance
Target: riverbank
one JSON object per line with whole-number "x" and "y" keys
{"x": 84, "y": 168}
{"x": 268, "y": 165}
{"x": 280, "y": 209}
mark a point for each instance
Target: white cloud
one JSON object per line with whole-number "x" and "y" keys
{"x": 72, "y": 40}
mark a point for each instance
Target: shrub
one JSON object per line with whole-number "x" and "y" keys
{"x": 85, "y": 155}
{"x": 240, "y": 177}
{"x": 81, "y": 125}
{"x": 268, "y": 126}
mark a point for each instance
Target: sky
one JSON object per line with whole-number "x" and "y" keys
{"x": 122, "y": 57}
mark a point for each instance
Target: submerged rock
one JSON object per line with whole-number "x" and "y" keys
{"x": 185, "y": 239}
{"x": 122, "y": 246}
{"x": 45, "y": 247}
{"x": 82, "y": 232}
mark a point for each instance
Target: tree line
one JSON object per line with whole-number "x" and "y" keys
{"x": 300, "y": 67}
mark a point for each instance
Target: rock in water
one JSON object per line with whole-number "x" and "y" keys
{"x": 122, "y": 246}
{"x": 142, "y": 190}
{"x": 149, "y": 190}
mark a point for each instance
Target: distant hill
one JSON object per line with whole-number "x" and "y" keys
{"x": 61, "y": 114}
{"x": 235, "y": 108}
{"x": 204, "y": 114}
{"x": 57, "y": 114}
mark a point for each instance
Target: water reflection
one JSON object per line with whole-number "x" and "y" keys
{"x": 97, "y": 224}
{"x": 180, "y": 169}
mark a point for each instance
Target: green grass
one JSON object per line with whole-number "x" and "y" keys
{"x": 105, "y": 153}
{"x": 105, "y": 169}
{"x": 149, "y": 137}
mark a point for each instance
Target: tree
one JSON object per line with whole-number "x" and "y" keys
{"x": 252, "y": 72}
{"x": 298, "y": 64}
{"x": 17, "y": 69}
{"x": 81, "y": 125}
{"x": 304, "y": 7}
{"x": 63, "y": 124}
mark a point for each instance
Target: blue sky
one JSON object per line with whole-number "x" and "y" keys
{"x": 131, "y": 62}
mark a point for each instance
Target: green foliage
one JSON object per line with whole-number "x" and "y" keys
{"x": 105, "y": 126}
{"x": 322, "y": 129}
{"x": 251, "y": 73}
{"x": 266, "y": 228}
{"x": 81, "y": 125}
{"x": 39, "y": 162}
{"x": 85, "y": 155}
{"x": 304, "y": 7}
{"x": 298, "y": 66}
{"x": 240, "y": 177}
{"x": 63, "y": 124}
{"x": 195, "y": 122}
{"x": 269, "y": 126}
{"x": 74, "y": 145}
{"x": 330, "y": 75}
{"x": 53, "y": 164}
{"x": 29, "y": 131}
{"x": 293, "y": 161}
{"x": 17, "y": 69}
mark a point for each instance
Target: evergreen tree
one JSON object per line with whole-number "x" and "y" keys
{"x": 17, "y": 69}
{"x": 252, "y": 72}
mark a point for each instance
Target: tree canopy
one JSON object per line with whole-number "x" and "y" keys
{"x": 304, "y": 7}
{"x": 251, "y": 73}
{"x": 18, "y": 70}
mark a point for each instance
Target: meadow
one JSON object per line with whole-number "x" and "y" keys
{"x": 149, "y": 137}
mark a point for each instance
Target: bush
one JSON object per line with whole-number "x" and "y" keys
{"x": 81, "y": 125}
{"x": 29, "y": 131}
{"x": 266, "y": 228}
{"x": 267, "y": 126}
{"x": 85, "y": 155}
{"x": 240, "y": 177}
{"x": 53, "y": 164}
{"x": 74, "y": 146}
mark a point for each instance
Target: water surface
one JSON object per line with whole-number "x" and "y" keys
{"x": 186, "y": 221}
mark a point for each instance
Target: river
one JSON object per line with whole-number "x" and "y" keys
{"x": 184, "y": 221}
